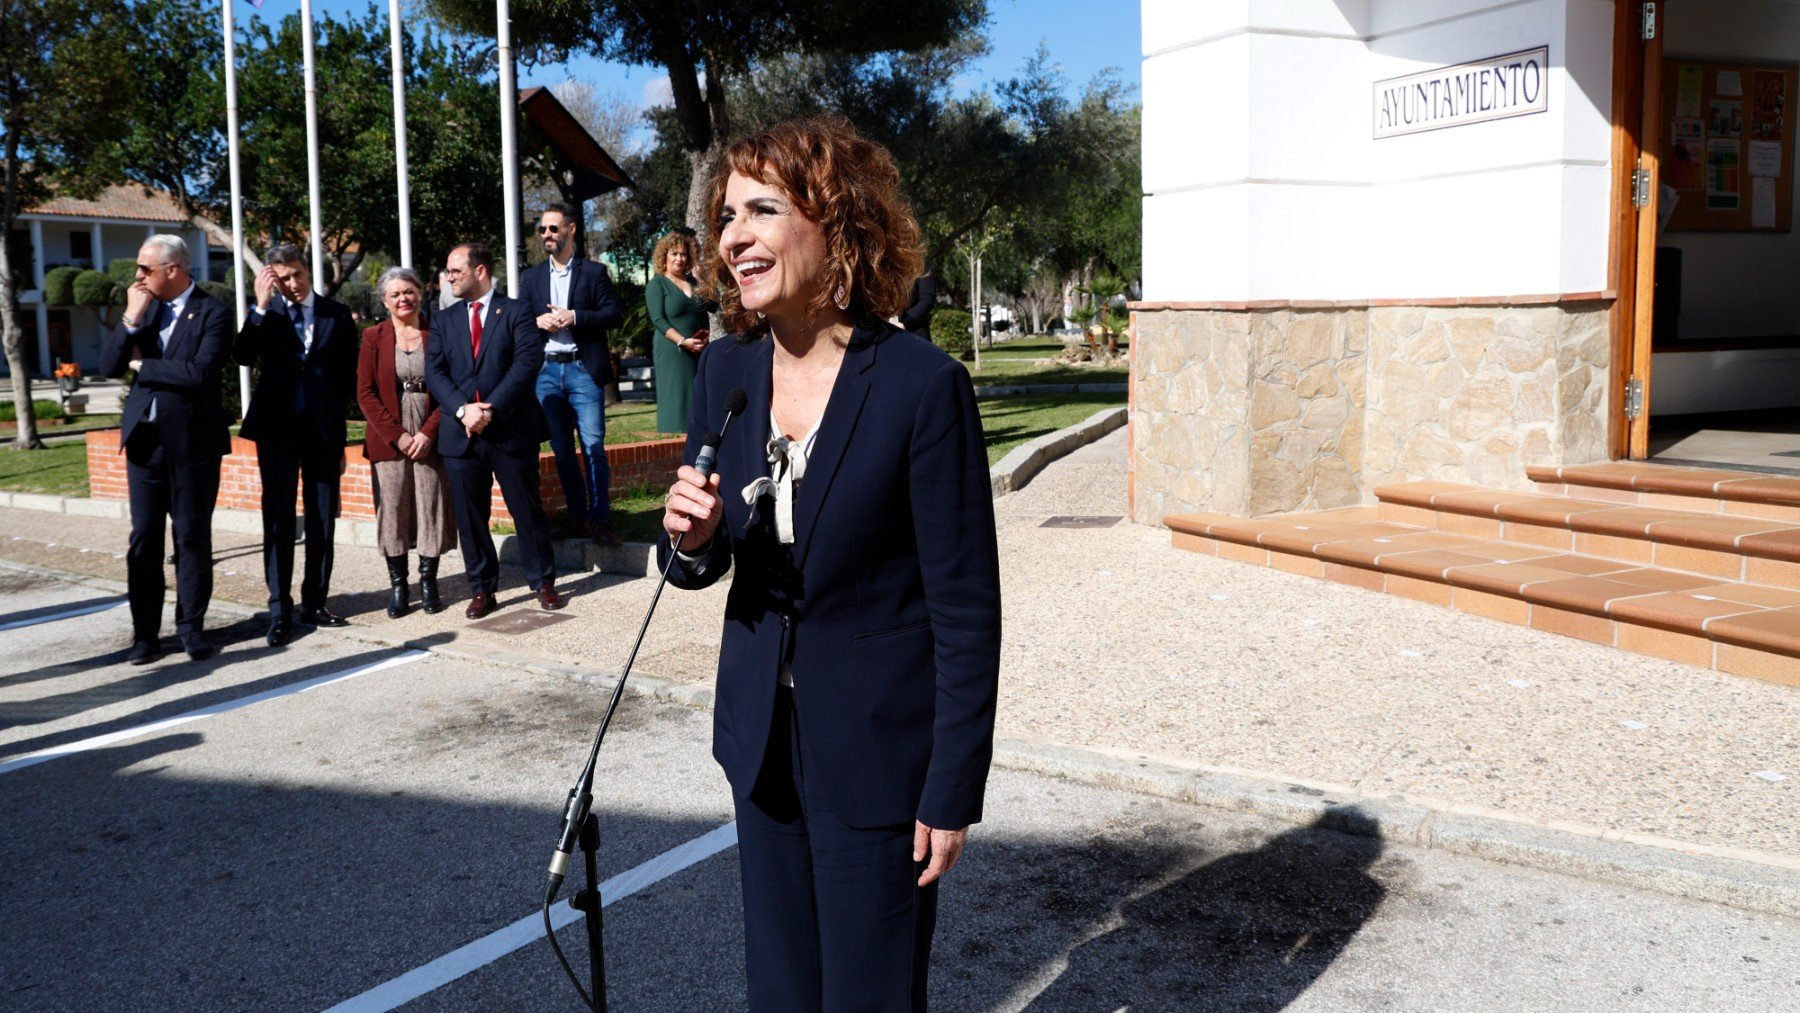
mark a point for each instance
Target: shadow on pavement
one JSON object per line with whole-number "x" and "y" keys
{"x": 1144, "y": 925}
{"x": 130, "y": 886}
{"x": 26, "y": 615}
{"x": 174, "y": 669}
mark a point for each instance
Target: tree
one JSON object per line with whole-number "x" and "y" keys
{"x": 706, "y": 48}
{"x": 61, "y": 63}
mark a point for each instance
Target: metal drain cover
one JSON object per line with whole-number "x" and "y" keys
{"x": 1081, "y": 522}
{"x": 520, "y": 621}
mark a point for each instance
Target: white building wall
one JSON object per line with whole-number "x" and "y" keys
{"x": 1263, "y": 180}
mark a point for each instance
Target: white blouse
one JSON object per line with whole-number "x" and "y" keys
{"x": 787, "y": 466}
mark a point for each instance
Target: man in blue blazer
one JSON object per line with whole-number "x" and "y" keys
{"x": 304, "y": 346}
{"x": 177, "y": 339}
{"x": 573, "y": 304}
{"x": 481, "y": 363}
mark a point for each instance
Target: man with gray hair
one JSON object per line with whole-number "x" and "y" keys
{"x": 174, "y": 430}
{"x": 305, "y": 346}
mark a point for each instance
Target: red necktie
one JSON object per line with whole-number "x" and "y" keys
{"x": 475, "y": 330}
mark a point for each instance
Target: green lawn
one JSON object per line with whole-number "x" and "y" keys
{"x": 1010, "y": 421}
{"x": 1013, "y": 363}
{"x": 60, "y": 470}
{"x": 66, "y": 425}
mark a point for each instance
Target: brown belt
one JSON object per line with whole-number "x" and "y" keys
{"x": 413, "y": 386}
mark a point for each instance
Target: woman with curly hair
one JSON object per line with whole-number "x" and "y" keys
{"x": 678, "y": 318}
{"x": 860, "y": 660}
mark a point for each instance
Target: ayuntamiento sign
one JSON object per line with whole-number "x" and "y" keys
{"x": 1515, "y": 84}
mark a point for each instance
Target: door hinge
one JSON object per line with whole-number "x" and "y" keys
{"x": 1647, "y": 30}
{"x": 1634, "y": 398}
{"x": 1640, "y": 188}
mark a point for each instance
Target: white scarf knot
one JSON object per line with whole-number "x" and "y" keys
{"x": 787, "y": 462}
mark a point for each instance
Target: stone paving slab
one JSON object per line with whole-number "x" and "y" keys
{"x": 1116, "y": 641}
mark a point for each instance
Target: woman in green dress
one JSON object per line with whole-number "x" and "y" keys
{"x": 678, "y": 318}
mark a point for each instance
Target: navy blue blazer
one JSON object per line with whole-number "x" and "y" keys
{"x": 596, "y": 306}
{"x": 190, "y": 410}
{"x": 505, "y": 376}
{"x": 327, "y": 372}
{"x": 887, "y": 603}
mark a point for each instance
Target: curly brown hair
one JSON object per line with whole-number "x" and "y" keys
{"x": 849, "y": 186}
{"x": 659, "y": 258}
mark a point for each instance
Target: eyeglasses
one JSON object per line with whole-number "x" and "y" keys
{"x": 549, "y": 230}
{"x": 150, "y": 268}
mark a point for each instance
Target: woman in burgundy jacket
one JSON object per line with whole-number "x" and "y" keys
{"x": 412, "y": 497}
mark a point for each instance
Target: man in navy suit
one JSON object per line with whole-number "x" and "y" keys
{"x": 574, "y": 304}
{"x": 305, "y": 347}
{"x": 176, "y": 338}
{"x": 481, "y": 362}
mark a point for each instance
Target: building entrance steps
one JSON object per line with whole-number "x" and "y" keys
{"x": 1707, "y": 586}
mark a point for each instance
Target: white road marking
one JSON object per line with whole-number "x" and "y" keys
{"x": 19, "y": 624}
{"x": 530, "y": 928}
{"x": 99, "y": 741}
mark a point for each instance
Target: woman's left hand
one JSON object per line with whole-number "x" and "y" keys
{"x": 944, "y": 847}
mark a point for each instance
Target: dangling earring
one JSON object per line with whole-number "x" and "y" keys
{"x": 840, "y": 297}
{"x": 760, "y": 315}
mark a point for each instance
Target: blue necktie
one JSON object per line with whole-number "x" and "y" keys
{"x": 300, "y": 335}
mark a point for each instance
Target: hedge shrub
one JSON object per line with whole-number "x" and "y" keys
{"x": 59, "y": 286}
{"x": 950, "y": 331}
{"x": 9, "y": 412}
{"x": 94, "y": 288}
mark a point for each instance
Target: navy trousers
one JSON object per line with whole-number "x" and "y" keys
{"x": 164, "y": 494}
{"x": 309, "y": 462}
{"x": 834, "y": 918}
{"x": 472, "y": 480}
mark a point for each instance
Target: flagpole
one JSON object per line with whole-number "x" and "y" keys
{"x": 237, "y": 202}
{"x": 405, "y": 204}
{"x": 509, "y": 145}
{"x": 320, "y": 279}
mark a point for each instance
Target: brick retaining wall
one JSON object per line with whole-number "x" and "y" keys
{"x": 652, "y": 462}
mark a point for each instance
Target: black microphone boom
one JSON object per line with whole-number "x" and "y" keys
{"x": 577, "y": 813}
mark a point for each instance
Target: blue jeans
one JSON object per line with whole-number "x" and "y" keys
{"x": 572, "y": 404}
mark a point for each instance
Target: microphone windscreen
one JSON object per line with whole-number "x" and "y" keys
{"x": 711, "y": 440}
{"x": 735, "y": 401}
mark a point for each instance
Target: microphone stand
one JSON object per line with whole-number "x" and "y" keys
{"x": 580, "y": 824}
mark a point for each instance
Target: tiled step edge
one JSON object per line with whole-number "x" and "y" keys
{"x": 1752, "y": 549}
{"x": 1634, "y": 483}
{"x": 1645, "y": 610}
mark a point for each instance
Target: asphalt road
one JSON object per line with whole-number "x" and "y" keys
{"x": 257, "y": 847}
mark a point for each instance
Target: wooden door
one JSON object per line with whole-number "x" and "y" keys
{"x": 1637, "y": 142}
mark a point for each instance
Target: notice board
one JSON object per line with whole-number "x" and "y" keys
{"x": 1728, "y": 145}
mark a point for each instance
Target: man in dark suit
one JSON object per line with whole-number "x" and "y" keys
{"x": 305, "y": 348}
{"x": 574, "y": 305}
{"x": 481, "y": 361}
{"x": 176, "y": 338}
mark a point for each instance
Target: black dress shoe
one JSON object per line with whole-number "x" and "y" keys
{"x": 196, "y": 646}
{"x": 280, "y": 631}
{"x": 322, "y": 616}
{"x": 143, "y": 652}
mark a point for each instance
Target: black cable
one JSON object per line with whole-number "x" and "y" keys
{"x": 550, "y": 934}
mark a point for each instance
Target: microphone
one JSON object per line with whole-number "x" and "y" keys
{"x": 581, "y": 797}
{"x": 709, "y": 447}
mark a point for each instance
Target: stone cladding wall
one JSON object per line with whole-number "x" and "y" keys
{"x": 1257, "y": 411}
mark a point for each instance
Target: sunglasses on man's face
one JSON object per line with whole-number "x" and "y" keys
{"x": 549, "y": 230}
{"x": 143, "y": 269}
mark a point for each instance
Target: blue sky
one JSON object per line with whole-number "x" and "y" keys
{"x": 1081, "y": 39}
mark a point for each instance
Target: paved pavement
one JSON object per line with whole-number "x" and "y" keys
{"x": 205, "y": 836}
{"x": 1115, "y": 641}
